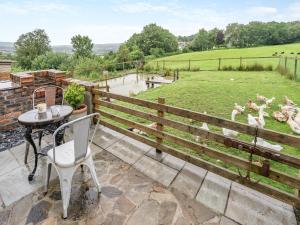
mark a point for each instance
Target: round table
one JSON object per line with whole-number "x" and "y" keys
{"x": 32, "y": 120}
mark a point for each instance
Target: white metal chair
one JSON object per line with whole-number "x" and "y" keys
{"x": 66, "y": 158}
{"x": 50, "y": 92}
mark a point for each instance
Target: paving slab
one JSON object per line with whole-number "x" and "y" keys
{"x": 173, "y": 162}
{"x": 7, "y": 162}
{"x": 19, "y": 151}
{"x": 104, "y": 137}
{"x": 155, "y": 155}
{"x": 214, "y": 192}
{"x": 247, "y": 206}
{"x": 155, "y": 170}
{"x": 189, "y": 179}
{"x": 15, "y": 185}
{"x": 227, "y": 221}
{"x": 128, "y": 151}
{"x": 145, "y": 148}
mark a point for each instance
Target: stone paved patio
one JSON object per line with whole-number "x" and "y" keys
{"x": 138, "y": 187}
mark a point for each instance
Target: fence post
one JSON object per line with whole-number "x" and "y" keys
{"x": 285, "y": 62}
{"x": 297, "y": 192}
{"x": 241, "y": 63}
{"x": 174, "y": 75}
{"x": 189, "y": 65}
{"x": 163, "y": 64}
{"x": 156, "y": 65}
{"x": 95, "y": 97}
{"x": 295, "y": 71}
{"x": 219, "y": 64}
{"x": 160, "y": 127}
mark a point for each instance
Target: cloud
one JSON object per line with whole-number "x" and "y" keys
{"x": 263, "y": 10}
{"x": 294, "y": 8}
{"x": 141, "y": 7}
{"x": 27, "y": 7}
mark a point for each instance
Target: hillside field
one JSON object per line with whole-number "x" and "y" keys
{"x": 181, "y": 61}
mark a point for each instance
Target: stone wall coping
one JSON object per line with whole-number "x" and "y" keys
{"x": 8, "y": 85}
{"x": 87, "y": 84}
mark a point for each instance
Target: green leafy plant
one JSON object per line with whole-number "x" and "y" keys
{"x": 74, "y": 95}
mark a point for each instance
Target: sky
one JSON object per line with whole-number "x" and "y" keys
{"x": 114, "y": 21}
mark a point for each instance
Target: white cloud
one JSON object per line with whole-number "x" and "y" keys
{"x": 295, "y": 8}
{"x": 27, "y": 7}
{"x": 263, "y": 10}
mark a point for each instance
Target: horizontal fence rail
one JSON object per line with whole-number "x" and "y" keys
{"x": 102, "y": 102}
{"x": 286, "y": 65}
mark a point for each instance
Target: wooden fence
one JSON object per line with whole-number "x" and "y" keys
{"x": 215, "y": 63}
{"x": 290, "y": 66}
{"x": 102, "y": 102}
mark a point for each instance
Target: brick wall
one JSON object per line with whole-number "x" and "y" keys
{"x": 16, "y": 96}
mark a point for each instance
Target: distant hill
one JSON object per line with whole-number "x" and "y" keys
{"x": 99, "y": 49}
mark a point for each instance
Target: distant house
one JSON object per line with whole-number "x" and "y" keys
{"x": 5, "y": 69}
{"x": 182, "y": 44}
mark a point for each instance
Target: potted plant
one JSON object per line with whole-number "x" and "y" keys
{"x": 74, "y": 95}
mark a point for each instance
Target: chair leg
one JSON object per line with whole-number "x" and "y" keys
{"x": 90, "y": 165}
{"x": 26, "y": 152}
{"x": 65, "y": 177}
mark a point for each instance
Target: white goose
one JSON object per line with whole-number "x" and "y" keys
{"x": 269, "y": 101}
{"x": 260, "y": 123}
{"x": 293, "y": 124}
{"x": 204, "y": 127}
{"x": 257, "y": 121}
{"x": 239, "y": 108}
{"x": 261, "y": 142}
{"x": 228, "y": 132}
{"x": 297, "y": 116}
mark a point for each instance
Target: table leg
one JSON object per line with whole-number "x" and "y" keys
{"x": 28, "y": 138}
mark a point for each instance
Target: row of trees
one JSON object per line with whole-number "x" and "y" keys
{"x": 244, "y": 35}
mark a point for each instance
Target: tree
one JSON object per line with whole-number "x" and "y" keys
{"x": 82, "y": 46}
{"x": 123, "y": 54}
{"x": 153, "y": 36}
{"x": 220, "y": 38}
{"x": 136, "y": 54}
{"x": 50, "y": 60}
{"x": 31, "y": 45}
{"x": 201, "y": 41}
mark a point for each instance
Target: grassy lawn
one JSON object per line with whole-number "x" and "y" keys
{"x": 216, "y": 93}
{"x": 231, "y": 53}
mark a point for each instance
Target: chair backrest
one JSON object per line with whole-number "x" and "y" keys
{"x": 50, "y": 94}
{"x": 81, "y": 134}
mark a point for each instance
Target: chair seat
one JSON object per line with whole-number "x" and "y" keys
{"x": 64, "y": 154}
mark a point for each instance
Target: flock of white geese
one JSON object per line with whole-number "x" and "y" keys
{"x": 288, "y": 112}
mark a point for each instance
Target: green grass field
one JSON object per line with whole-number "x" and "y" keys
{"x": 267, "y": 51}
{"x": 216, "y": 92}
